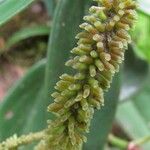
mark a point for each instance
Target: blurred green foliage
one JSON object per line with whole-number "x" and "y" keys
{"x": 141, "y": 36}
{"x": 24, "y": 107}
{"x": 9, "y": 8}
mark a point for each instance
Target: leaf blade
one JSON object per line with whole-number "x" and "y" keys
{"x": 10, "y": 8}
{"x": 25, "y": 33}
{"x": 62, "y": 28}
{"x": 50, "y": 5}
{"x": 17, "y": 100}
{"x": 134, "y": 116}
{"x": 103, "y": 119}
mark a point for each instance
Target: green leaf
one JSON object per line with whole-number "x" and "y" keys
{"x": 102, "y": 122}
{"x": 23, "y": 109}
{"x": 62, "y": 40}
{"x": 26, "y": 33}
{"x": 9, "y": 8}
{"x": 50, "y": 5}
{"x": 142, "y": 44}
{"x": 134, "y": 116}
{"x": 133, "y": 76}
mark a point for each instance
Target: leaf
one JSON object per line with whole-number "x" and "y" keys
{"x": 26, "y": 33}
{"x": 134, "y": 75}
{"x": 142, "y": 44}
{"x": 23, "y": 109}
{"x": 9, "y": 8}
{"x": 133, "y": 115}
{"x": 102, "y": 122}
{"x": 50, "y": 5}
{"x": 62, "y": 40}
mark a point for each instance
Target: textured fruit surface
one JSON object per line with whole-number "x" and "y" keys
{"x": 97, "y": 56}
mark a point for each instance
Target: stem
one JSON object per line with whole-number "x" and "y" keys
{"x": 118, "y": 142}
{"x": 142, "y": 140}
{"x": 14, "y": 141}
{"x": 123, "y": 144}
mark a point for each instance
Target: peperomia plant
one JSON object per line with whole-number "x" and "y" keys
{"x": 100, "y": 50}
{"x": 96, "y": 58}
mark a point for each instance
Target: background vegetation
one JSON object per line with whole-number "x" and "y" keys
{"x": 34, "y": 46}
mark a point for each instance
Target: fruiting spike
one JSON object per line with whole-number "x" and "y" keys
{"x": 100, "y": 49}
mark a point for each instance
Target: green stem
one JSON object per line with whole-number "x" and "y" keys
{"x": 142, "y": 140}
{"x": 118, "y": 142}
{"x": 123, "y": 144}
{"x": 14, "y": 141}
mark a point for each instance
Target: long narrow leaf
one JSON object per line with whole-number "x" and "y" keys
{"x": 103, "y": 119}
{"x": 64, "y": 29}
{"x": 50, "y": 5}
{"x": 9, "y": 8}
{"x": 22, "y": 111}
{"x": 26, "y": 33}
{"x": 134, "y": 116}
